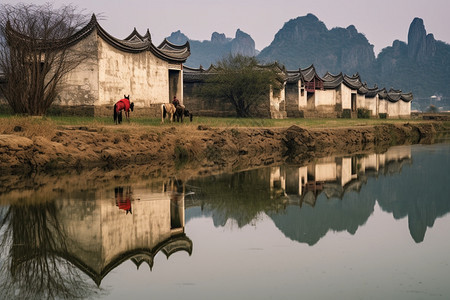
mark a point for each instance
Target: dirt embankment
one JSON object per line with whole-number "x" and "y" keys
{"x": 195, "y": 148}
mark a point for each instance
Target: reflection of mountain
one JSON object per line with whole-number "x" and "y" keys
{"x": 295, "y": 197}
{"x": 422, "y": 192}
{"x": 309, "y": 224}
{"x": 94, "y": 232}
{"x": 331, "y": 178}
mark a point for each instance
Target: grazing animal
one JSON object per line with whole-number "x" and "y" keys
{"x": 125, "y": 105}
{"x": 167, "y": 109}
{"x": 181, "y": 112}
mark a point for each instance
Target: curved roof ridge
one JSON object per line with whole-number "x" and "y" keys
{"x": 407, "y": 97}
{"x": 374, "y": 88}
{"x": 191, "y": 69}
{"x": 392, "y": 90}
{"x": 394, "y": 97}
{"x": 172, "y": 50}
{"x": 211, "y": 68}
{"x": 309, "y": 73}
{"x": 308, "y": 68}
{"x": 134, "y": 34}
{"x": 123, "y": 45}
{"x": 371, "y": 92}
{"x": 167, "y": 44}
{"x": 148, "y": 35}
{"x": 353, "y": 82}
{"x": 181, "y": 242}
{"x": 382, "y": 93}
{"x": 330, "y": 76}
{"x": 293, "y": 75}
{"x": 331, "y": 81}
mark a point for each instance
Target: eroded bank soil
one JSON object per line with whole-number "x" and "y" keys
{"x": 191, "y": 149}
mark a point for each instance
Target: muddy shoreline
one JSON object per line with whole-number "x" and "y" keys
{"x": 67, "y": 158}
{"x": 196, "y": 147}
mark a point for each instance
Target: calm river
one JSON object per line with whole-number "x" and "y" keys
{"x": 371, "y": 226}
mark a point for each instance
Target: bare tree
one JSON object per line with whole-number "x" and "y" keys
{"x": 36, "y": 52}
{"x": 34, "y": 253}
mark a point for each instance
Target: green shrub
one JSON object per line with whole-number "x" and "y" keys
{"x": 382, "y": 115}
{"x": 363, "y": 113}
{"x": 346, "y": 113}
{"x": 301, "y": 114}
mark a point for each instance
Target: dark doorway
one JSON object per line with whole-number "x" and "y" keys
{"x": 174, "y": 84}
{"x": 310, "y": 101}
{"x": 353, "y": 102}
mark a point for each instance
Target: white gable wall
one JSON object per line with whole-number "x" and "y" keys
{"x": 346, "y": 96}
{"x": 80, "y": 86}
{"x": 141, "y": 75}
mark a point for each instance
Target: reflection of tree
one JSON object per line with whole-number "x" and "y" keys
{"x": 32, "y": 245}
{"x": 240, "y": 196}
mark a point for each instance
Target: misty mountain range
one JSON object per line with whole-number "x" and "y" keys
{"x": 420, "y": 65}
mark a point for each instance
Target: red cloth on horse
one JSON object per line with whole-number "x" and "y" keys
{"x": 123, "y": 104}
{"x": 125, "y": 204}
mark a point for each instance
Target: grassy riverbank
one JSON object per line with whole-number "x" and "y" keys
{"x": 6, "y": 120}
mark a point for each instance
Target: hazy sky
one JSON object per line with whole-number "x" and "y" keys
{"x": 381, "y": 21}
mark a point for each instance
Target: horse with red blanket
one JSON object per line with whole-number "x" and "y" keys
{"x": 125, "y": 105}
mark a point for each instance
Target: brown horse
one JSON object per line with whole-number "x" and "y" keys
{"x": 167, "y": 109}
{"x": 182, "y": 112}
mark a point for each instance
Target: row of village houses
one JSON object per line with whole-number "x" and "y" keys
{"x": 152, "y": 75}
{"x": 306, "y": 94}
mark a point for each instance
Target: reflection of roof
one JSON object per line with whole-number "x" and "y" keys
{"x": 137, "y": 256}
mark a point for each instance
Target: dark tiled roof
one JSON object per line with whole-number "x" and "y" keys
{"x": 135, "y": 36}
{"x": 395, "y": 95}
{"x": 353, "y": 82}
{"x": 200, "y": 74}
{"x": 372, "y": 92}
{"x": 293, "y": 76}
{"x": 134, "y": 43}
{"x": 309, "y": 73}
{"x": 194, "y": 74}
{"x": 331, "y": 81}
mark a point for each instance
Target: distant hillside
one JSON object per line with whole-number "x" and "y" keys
{"x": 422, "y": 66}
{"x": 306, "y": 40}
{"x": 206, "y": 53}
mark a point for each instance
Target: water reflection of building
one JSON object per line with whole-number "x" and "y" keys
{"x": 98, "y": 234}
{"x": 335, "y": 175}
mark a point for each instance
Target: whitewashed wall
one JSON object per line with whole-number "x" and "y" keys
{"x": 404, "y": 108}
{"x": 346, "y": 96}
{"x": 325, "y": 97}
{"x": 372, "y": 104}
{"x": 393, "y": 109}
{"x": 80, "y": 86}
{"x": 142, "y": 75}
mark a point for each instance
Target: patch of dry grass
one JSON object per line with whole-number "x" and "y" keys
{"x": 28, "y": 126}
